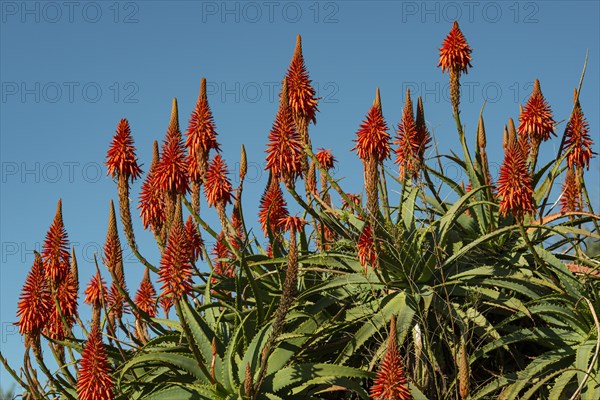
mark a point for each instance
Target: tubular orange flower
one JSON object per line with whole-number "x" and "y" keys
{"x": 217, "y": 188}
{"x": 145, "y": 298}
{"x": 35, "y": 303}
{"x": 390, "y": 382}
{"x": 571, "y": 198}
{"x": 302, "y": 98}
{"x": 514, "y": 184}
{"x": 121, "y": 158}
{"x": 194, "y": 240}
{"x": 409, "y": 143}
{"x": 175, "y": 270}
{"x": 152, "y": 204}
{"x": 291, "y": 222}
{"x": 272, "y": 208}
{"x": 96, "y": 292}
{"x": 578, "y": 141}
{"x": 455, "y": 52}
{"x": 365, "y": 246}
{"x": 536, "y": 118}
{"x": 94, "y": 381}
{"x": 172, "y": 169}
{"x": 325, "y": 158}
{"x": 55, "y": 251}
{"x": 284, "y": 150}
{"x": 372, "y": 139}
{"x": 222, "y": 254}
{"x": 201, "y": 135}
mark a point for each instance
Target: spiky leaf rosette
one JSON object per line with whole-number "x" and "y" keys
{"x": 390, "y": 382}
{"x": 284, "y": 150}
{"x": 194, "y": 240}
{"x": 217, "y": 187}
{"x": 301, "y": 94}
{"x": 408, "y": 152}
{"x": 455, "y": 52}
{"x": 514, "y": 184}
{"x": 372, "y": 139}
{"x": 145, "y": 298}
{"x": 172, "y": 169}
{"x": 272, "y": 208}
{"x": 175, "y": 270}
{"x": 201, "y": 135}
{"x": 55, "y": 251}
{"x": 35, "y": 303}
{"x": 578, "y": 141}
{"x": 94, "y": 381}
{"x": 536, "y": 119}
{"x": 121, "y": 159}
{"x": 152, "y": 204}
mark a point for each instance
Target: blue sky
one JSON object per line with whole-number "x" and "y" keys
{"x": 70, "y": 71}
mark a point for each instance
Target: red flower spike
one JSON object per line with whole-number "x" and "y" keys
{"x": 301, "y": 94}
{"x": 272, "y": 208}
{"x": 238, "y": 226}
{"x": 372, "y": 139}
{"x": 201, "y": 133}
{"x": 423, "y": 136}
{"x": 116, "y": 301}
{"x": 217, "y": 187}
{"x": 55, "y": 252}
{"x": 96, "y": 291}
{"x": 514, "y": 184}
{"x": 285, "y": 149}
{"x": 536, "y": 118}
{"x": 172, "y": 169}
{"x": 35, "y": 303}
{"x": 578, "y": 141}
{"x": 175, "y": 270}
{"x": 455, "y": 52}
{"x": 66, "y": 293}
{"x": 194, "y": 240}
{"x": 145, "y": 298}
{"x": 121, "y": 158}
{"x": 152, "y": 205}
{"x": 325, "y": 158}
{"x": 366, "y": 247}
{"x": 409, "y": 143}
{"x": 292, "y": 223}
{"x": 390, "y": 382}
{"x": 94, "y": 381}
{"x": 571, "y": 197}
{"x": 222, "y": 252}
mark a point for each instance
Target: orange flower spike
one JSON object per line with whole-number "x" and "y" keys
{"x": 272, "y": 208}
{"x": 96, "y": 291}
{"x": 571, "y": 197}
{"x": 455, "y": 52}
{"x": 578, "y": 141}
{"x": 222, "y": 252}
{"x": 285, "y": 149}
{"x": 536, "y": 119}
{"x": 325, "y": 158}
{"x": 66, "y": 292}
{"x": 175, "y": 270}
{"x": 94, "y": 381}
{"x": 172, "y": 169}
{"x": 35, "y": 303}
{"x": 201, "y": 133}
{"x": 55, "y": 251}
{"x": 372, "y": 139}
{"x": 409, "y": 142}
{"x": 145, "y": 298}
{"x": 515, "y": 184}
{"x": 121, "y": 158}
{"x": 301, "y": 94}
{"x": 390, "y": 382}
{"x": 366, "y": 247}
{"x": 424, "y": 138}
{"x": 294, "y": 223}
{"x": 194, "y": 240}
{"x": 217, "y": 187}
{"x": 152, "y": 206}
